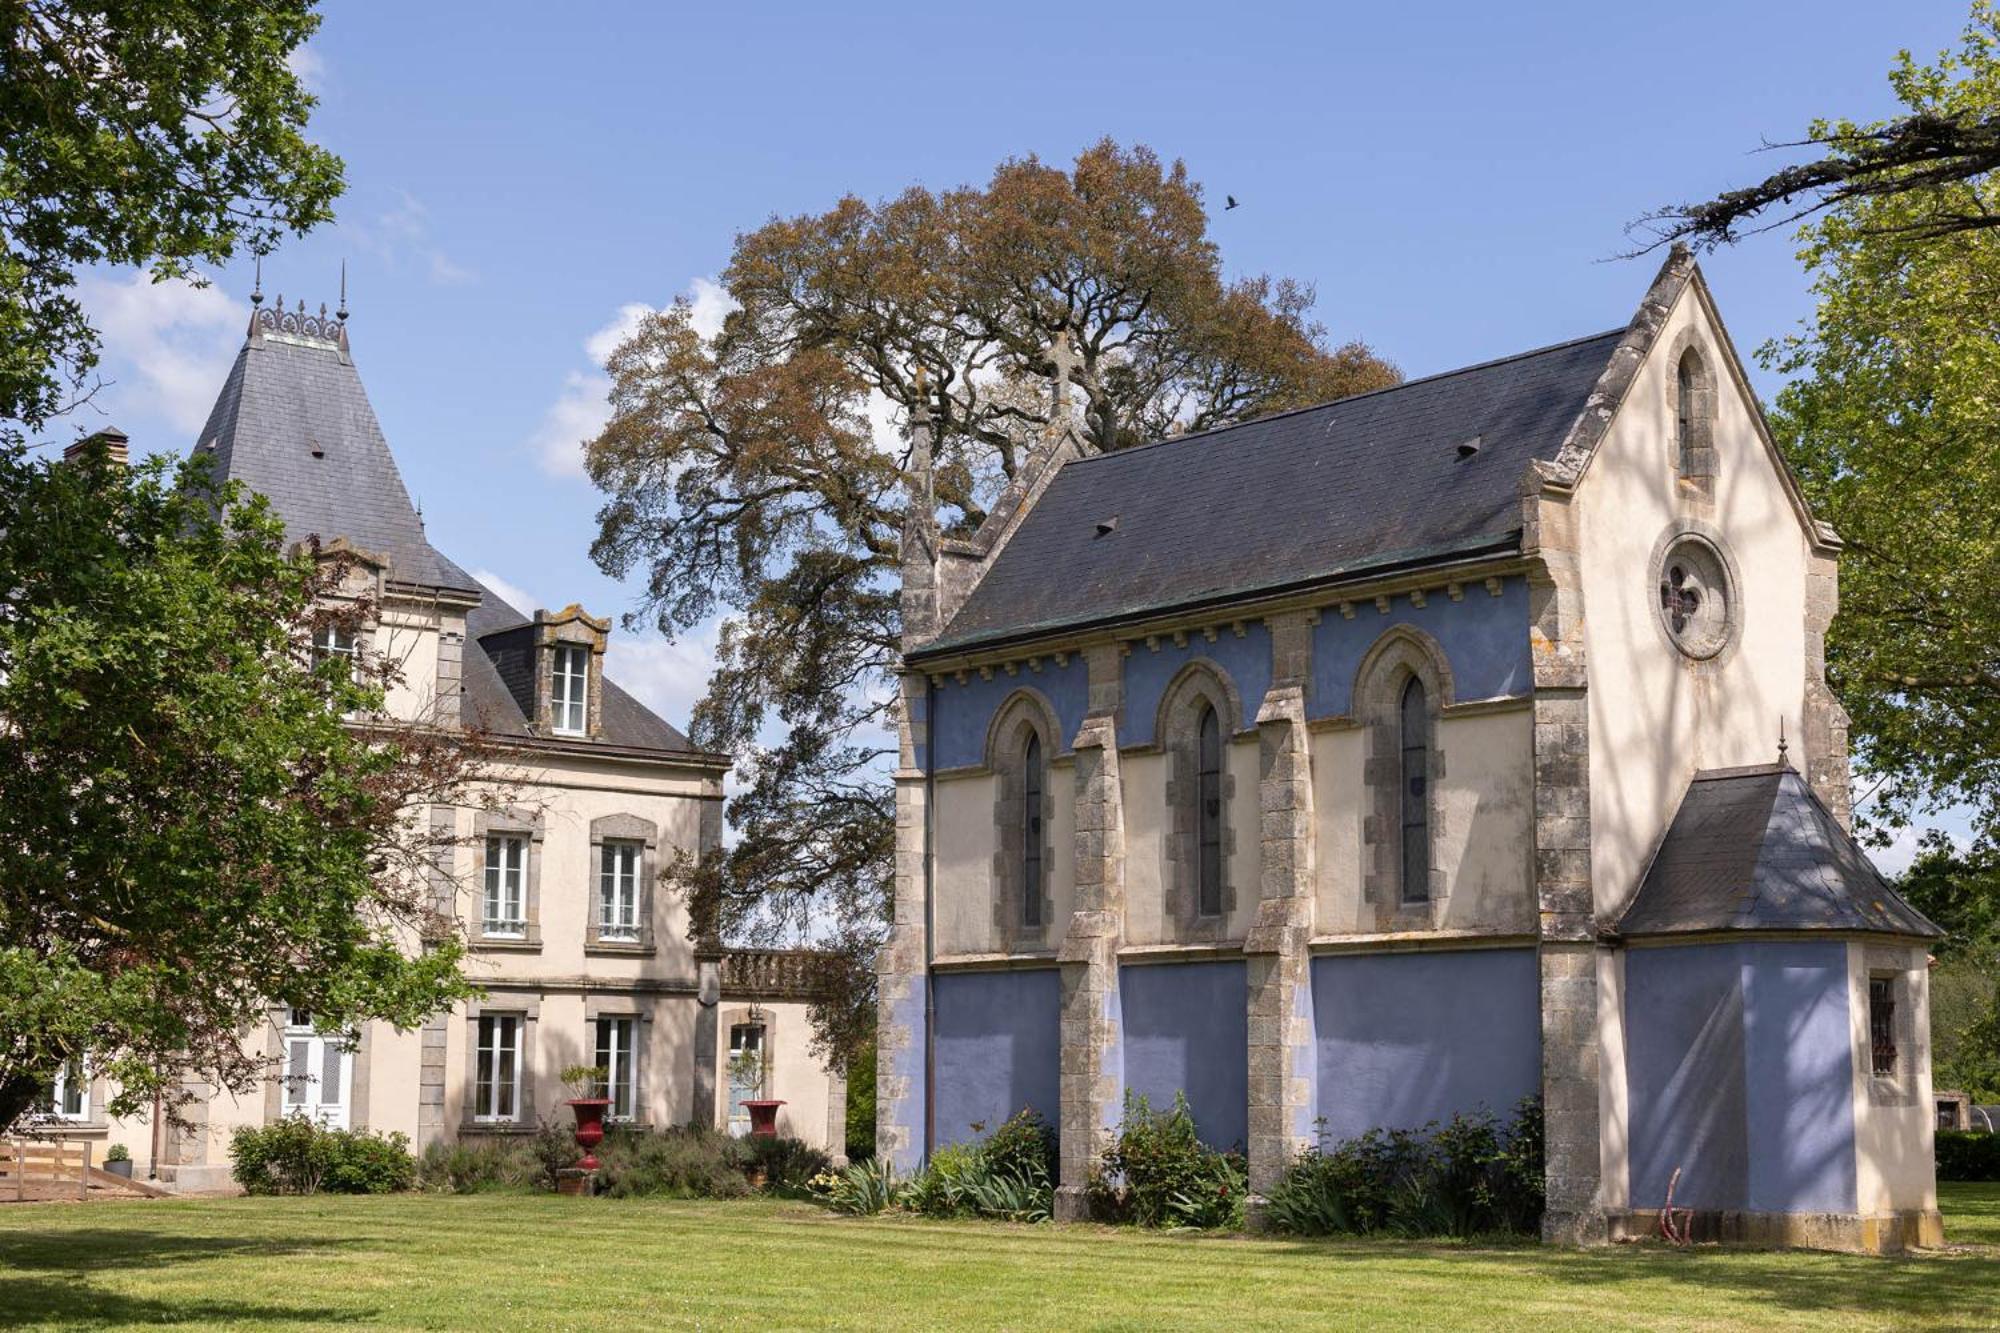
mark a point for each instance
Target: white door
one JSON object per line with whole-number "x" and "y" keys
{"x": 319, "y": 1072}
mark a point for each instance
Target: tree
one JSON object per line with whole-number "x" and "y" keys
{"x": 197, "y": 820}
{"x": 161, "y": 133}
{"x": 742, "y": 473}
{"x": 1942, "y": 155}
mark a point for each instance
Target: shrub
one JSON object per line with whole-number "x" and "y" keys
{"x": 1464, "y": 1178}
{"x": 1964, "y": 1154}
{"x": 863, "y": 1189}
{"x": 472, "y": 1166}
{"x": 683, "y": 1163}
{"x": 1158, "y": 1172}
{"x": 298, "y": 1156}
{"x": 788, "y": 1163}
{"x": 1025, "y": 1146}
{"x": 118, "y": 1152}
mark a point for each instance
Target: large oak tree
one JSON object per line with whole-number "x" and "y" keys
{"x": 744, "y": 475}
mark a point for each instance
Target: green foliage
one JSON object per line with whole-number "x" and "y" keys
{"x": 681, "y": 1162}
{"x": 1158, "y": 1173}
{"x": 788, "y": 1163}
{"x": 1893, "y": 426}
{"x": 1024, "y": 1146}
{"x": 863, "y": 1189}
{"x": 1965, "y": 1028}
{"x": 476, "y": 1166}
{"x": 298, "y": 1156}
{"x": 1466, "y": 1177}
{"x": 585, "y": 1081}
{"x": 118, "y": 1152}
{"x": 1967, "y": 1155}
{"x": 190, "y": 831}
{"x": 861, "y": 1100}
{"x": 165, "y": 134}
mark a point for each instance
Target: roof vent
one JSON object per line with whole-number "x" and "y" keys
{"x": 1471, "y": 446}
{"x": 1107, "y": 526}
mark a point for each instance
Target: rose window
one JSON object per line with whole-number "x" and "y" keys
{"x": 1694, "y": 597}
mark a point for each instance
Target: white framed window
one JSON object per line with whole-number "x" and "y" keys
{"x": 746, "y": 1073}
{"x": 319, "y": 1071}
{"x": 333, "y": 640}
{"x": 618, "y": 891}
{"x": 617, "y": 1055}
{"x": 69, "y": 1095}
{"x": 571, "y": 689}
{"x": 497, "y": 1085}
{"x": 506, "y": 912}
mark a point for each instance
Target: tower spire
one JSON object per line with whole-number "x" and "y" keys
{"x": 341, "y": 313}
{"x": 257, "y": 290}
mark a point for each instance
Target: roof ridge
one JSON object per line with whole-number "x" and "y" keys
{"x": 1432, "y": 378}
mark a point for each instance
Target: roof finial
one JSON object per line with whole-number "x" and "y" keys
{"x": 341, "y": 313}
{"x": 257, "y": 292}
{"x": 1783, "y": 747}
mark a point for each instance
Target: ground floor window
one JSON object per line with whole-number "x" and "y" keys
{"x": 1882, "y": 1026}
{"x": 746, "y": 1073}
{"x": 318, "y": 1070}
{"x": 497, "y": 1090}
{"x": 69, "y": 1095}
{"x": 617, "y": 1057}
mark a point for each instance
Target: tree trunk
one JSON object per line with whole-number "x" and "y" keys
{"x": 18, "y": 1093}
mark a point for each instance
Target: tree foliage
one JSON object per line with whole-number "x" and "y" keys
{"x": 743, "y": 474}
{"x": 196, "y": 822}
{"x": 1892, "y": 420}
{"x": 161, "y": 133}
{"x": 1942, "y": 155}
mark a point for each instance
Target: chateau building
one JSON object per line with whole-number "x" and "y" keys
{"x": 1424, "y": 751}
{"x": 576, "y": 932}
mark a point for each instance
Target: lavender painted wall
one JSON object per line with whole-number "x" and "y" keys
{"x": 998, "y": 1043}
{"x": 1246, "y": 661}
{"x": 1408, "y": 1038}
{"x": 1738, "y": 1063}
{"x": 1187, "y": 1030}
{"x": 1484, "y": 637}
{"x": 962, "y": 713}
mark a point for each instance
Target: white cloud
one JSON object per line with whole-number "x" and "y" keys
{"x": 583, "y": 407}
{"x": 1905, "y": 845}
{"x": 445, "y": 273}
{"x": 400, "y": 236}
{"x": 511, "y": 593}
{"x": 667, "y": 677}
{"x": 308, "y": 67}
{"x": 167, "y": 346}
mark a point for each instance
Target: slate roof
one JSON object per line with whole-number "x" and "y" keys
{"x": 1754, "y": 849}
{"x": 1371, "y": 482}
{"x": 293, "y": 423}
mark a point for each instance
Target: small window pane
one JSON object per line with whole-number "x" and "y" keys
{"x": 1882, "y": 1025}
{"x": 1032, "y": 782}
{"x": 570, "y": 687}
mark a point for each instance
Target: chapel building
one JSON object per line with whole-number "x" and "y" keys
{"x": 575, "y": 928}
{"x": 1451, "y": 744}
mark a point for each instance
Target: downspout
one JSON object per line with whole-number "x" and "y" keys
{"x": 153, "y": 1167}
{"x": 930, "y": 918}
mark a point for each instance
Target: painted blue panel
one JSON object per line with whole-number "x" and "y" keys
{"x": 1484, "y": 637}
{"x": 1408, "y": 1038}
{"x": 1187, "y": 1030}
{"x": 1148, "y": 671}
{"x": 998, "y": 1047}
{"x": 1738, "y": 1068}
{"x": 903, "y": 1066}
{"x": 962, "y": 713}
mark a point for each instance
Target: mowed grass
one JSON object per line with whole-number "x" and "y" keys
{"x": 497, "y": 1261}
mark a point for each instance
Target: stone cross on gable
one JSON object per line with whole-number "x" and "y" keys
{"x": 1066, "y": 360}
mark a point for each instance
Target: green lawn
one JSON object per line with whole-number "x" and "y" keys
{"x": 543, "y": 1262}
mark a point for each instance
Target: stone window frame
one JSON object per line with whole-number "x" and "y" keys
{"x": 532, "y": 826}
{"x": 1202, "y": 682}
{"x": 1400, "y": 653}
{"x": 1023, "y": 712}
{"x": 1899, "y": 968}
{"x": 625, "y": 828}
{"x": 571, "y": 627}
{"x": 1694, "y": 531}
{"x": 1693, "y": 460}
{"x": 625, "y": 1006}
{"x": 527, "y": 1008}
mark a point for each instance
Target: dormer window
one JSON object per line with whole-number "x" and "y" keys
{"x": 570, "y": 694}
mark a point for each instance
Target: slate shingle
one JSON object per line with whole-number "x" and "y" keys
{"x": 1369, "y": 482}
{"x": 1754, "y": 849}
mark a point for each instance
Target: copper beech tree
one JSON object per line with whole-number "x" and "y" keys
{"x": 199, "y": 819}
{"x": 743, "y": 474}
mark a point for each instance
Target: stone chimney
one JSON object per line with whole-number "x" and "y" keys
{"x": 113, "y": 441}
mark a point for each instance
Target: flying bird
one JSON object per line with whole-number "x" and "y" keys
{"x": 1230, "y": 204}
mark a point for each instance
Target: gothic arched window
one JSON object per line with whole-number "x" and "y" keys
{"x": 1414, "y": 793}
{"x": 1208, "y": 812}
{"x": 1032, "y": 773}
{"x": 1686, "y": 415}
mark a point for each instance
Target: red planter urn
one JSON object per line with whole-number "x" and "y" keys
{"x": 589, "y": 1128}
{"x": 763, "y": 1117}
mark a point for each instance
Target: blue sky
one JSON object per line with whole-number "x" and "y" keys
{"x": 1454, "y": 179}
